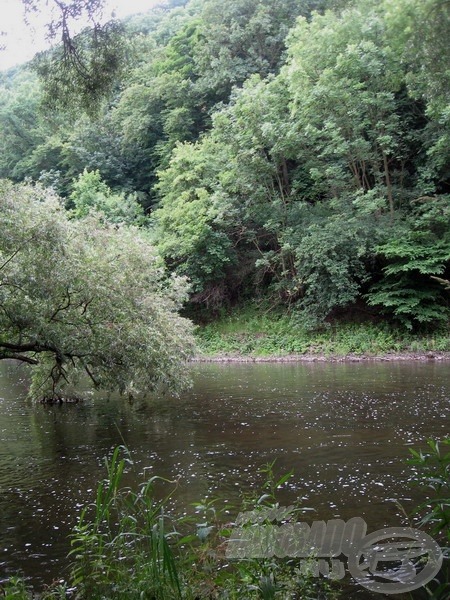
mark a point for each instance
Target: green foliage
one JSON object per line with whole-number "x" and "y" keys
{"x": 15, "y": 589}
{"x": 330, "y": 141}
{"x": 242, "y": 190}
{"x": 188, "y": 225}
{"x": 258, "y": 331}
{"x": 329, "y": 261}
{"x": 421, "y": 251}
{"x": 240, "y": 38}
{"x": 84, "y": 297}
{"x": 419, "y": 30}
{"x": 408, "y": 304}
{"x": 97, "y": 145}
{"x": 284, "y": 153}
{"x": 82, "y": 69}
{"x": 161, "y": 105}
{"x": 20, "y": 129}
{"x": 433, "y": 474}
{"x": 346, "y": 86}
{"x": 253, "y": 578}
{"x": 127, "y": 546}
{"x": 91, "y": 195}
{"x": 123, "y": 550}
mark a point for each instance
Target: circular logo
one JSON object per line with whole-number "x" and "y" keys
{"x": 393, "y": 567}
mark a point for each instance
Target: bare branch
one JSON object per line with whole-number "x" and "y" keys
{"x": 10, "y": 258}
{"x": 91, "y": 376}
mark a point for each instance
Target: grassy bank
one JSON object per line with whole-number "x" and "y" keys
{"x": 252, "y": 332}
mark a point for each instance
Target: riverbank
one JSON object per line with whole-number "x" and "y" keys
{"x": 289, "y": 358}
{"x": 249, "y": 335}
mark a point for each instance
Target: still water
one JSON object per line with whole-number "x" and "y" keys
{"x": 344, "y": 429}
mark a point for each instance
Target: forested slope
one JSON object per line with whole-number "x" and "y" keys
{"x": 290, "y": 150}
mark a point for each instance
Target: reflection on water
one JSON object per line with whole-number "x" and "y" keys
{"x": 343, "y": 428}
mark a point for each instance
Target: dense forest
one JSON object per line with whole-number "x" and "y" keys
{"x": 296, "y": 151}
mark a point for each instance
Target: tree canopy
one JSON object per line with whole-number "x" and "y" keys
{"x": 293, "y": 151}
{"x": 86, "y": 298}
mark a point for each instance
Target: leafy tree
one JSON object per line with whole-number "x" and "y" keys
{"x": 331, "y": 260}
{"x": 413, "y": 259}
{"x": 251, "y": 196}
{"x": 83, "y": 297}
{"x": 283, "y": 151}
{"x": 161, "y": 106}
{"x": 212, "y": 47}
{"x": 240, "y": 38}
{"x": 91, "y": 195}
{"x": 225, "y": 200}
{"x": 254, "y": 186}
{"x": 422, "y": 28}
{"x": 83, "y": 68}
{"x": 34, "y": 144}
{"x": 187, "y": 222}
{"x": 98, "y": 145}
{"x": 83, "y": 73}
{"x": 21, "y": 129}
{"x": 346, "y": 87}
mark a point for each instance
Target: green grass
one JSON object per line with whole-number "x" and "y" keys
{"x": 251, "y": 332}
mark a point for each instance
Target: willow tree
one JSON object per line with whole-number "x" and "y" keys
{"x": 84, "y": 298}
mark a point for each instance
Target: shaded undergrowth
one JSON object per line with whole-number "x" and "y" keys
{"x": 253, "y": 331}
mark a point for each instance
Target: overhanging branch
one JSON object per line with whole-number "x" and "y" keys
{"x": 21, "y": 357}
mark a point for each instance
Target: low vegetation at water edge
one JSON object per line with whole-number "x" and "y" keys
{"x": 251, "y": 331}
{"x": 126, "y": 545}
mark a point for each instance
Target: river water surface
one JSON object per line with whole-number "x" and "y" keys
{"x": 343, "y": 428}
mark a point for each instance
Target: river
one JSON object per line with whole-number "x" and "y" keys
{"x": 343, "y": 428}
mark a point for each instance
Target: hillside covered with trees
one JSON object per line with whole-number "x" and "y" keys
{"x": 294, "y": 151}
